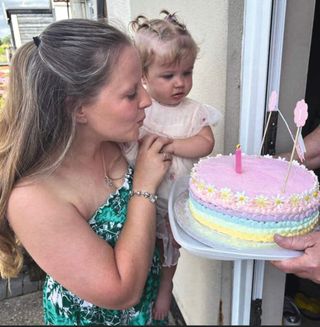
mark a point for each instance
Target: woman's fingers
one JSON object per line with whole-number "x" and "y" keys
{"x": 152, "y": 163}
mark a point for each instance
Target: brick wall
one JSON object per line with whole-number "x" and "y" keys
{"x": 20, "y": 285}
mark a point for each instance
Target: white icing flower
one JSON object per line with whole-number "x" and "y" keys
{"x": 307, "y": 198}
{"x": 278, "y": 201}
{"x": 261, "y": 201}
{"x": 211, "y": 189}
{"x": 241, "y": 198}
{"x": 201, "y": 186}
{"x": 225, "y": 193}
{"x": 294, "y": 200}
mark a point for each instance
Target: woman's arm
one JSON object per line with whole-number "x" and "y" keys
{"x": 62, "y": 243}
{"x": 312, "y": 155}
{"x": 196, "y": 146}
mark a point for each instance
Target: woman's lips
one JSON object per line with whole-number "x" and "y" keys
{"x": 140, "y": 122}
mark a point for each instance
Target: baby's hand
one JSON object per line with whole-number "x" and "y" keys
{"x": 152, "y": 163}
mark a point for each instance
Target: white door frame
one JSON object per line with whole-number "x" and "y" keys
{"x": 254, "y": 72}
{"x": 263, "y": 35}
{"x": 261, "y": 66}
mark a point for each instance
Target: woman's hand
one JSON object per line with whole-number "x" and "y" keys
{"x": 151, "y": 163}
{"x": 308, "y": 264}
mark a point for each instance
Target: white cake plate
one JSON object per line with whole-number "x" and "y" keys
{"x": 196, "y": 239}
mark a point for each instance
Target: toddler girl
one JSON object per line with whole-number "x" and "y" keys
{"x": 168, "y": 53}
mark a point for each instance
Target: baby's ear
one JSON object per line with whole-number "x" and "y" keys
{"x": 144, "y": 80}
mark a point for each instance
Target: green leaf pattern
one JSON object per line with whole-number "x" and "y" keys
{"x": 62, "y": 307}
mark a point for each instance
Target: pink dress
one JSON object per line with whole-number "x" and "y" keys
{"x": 177, "y": 122}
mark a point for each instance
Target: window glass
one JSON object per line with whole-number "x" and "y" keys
{"x": 21, "y": 20}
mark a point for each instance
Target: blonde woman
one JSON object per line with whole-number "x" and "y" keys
{"x": 67, "y": 194}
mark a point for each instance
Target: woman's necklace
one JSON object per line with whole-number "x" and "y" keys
{"x": 109, "y": 180}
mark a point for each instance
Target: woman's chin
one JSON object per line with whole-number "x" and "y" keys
{"x": 133, "y": 137}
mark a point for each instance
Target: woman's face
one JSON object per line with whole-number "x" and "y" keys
{"x": 117, "y": 113}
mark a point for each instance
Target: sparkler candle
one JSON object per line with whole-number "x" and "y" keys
{"x": 238, "y": 163}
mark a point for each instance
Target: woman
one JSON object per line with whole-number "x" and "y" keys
{"x": 67, "y": 194}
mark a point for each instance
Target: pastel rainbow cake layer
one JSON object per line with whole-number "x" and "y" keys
{"x": 252, "y": 206}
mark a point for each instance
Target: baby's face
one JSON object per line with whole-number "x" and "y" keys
{"x": 169, "y": 84}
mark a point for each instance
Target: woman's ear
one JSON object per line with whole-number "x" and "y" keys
{"x": 81, "y": 116}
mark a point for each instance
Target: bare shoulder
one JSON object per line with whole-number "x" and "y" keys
{"x": 31, "y": 193}
{"x": 34, "y": 200}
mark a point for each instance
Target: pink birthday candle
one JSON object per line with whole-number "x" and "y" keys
{"x": 238, "y": 159}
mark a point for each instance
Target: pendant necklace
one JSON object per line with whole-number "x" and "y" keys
{"x": 109, "y": 181}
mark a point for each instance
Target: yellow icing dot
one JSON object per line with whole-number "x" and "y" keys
{"x": 307, "y": 198}
{"x": 242, "y": 199}
{"x": 225, "y": 194}
{"x": 210, "y": 189}
{"x": 261, "y": 201}
{"x": 201, "y": 186}
{"x": 278, "y": 202}
{"x": 294, "y": 200}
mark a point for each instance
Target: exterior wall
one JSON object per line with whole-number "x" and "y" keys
{"x": 295, "y": 60}
{"x": 200, "y": 284}
{"x": 233, "y": 83}
{"x": 60, "y": 10}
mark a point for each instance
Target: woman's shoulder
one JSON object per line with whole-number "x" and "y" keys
{"x": 28, "y": 187}
{"x": 33, "y": 197}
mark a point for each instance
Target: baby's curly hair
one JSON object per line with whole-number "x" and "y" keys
{"x": 166, "y": 39}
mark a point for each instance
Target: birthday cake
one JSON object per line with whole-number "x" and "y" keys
{"x": 257, "y": 203}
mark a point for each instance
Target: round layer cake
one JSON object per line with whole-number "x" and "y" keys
{"x": 253, "y": 205}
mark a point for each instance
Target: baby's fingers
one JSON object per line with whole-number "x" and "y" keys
{"x": 154, "y": 143}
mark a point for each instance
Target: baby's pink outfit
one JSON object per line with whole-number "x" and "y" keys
{"x": 176, "y": 122}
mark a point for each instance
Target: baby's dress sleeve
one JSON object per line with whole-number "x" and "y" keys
{"x": 206, "y": 115}
{"x": 130, "y": 151}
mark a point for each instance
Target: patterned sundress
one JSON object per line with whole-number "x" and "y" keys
{"x": 62, "y": 307}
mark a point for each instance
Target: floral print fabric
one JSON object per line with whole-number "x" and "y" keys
{"x": 61, "y": 307}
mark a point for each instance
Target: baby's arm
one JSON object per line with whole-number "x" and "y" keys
{"x": 196, "y": 146}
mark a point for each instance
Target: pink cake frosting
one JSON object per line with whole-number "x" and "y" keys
{"x": 219, "y": 195}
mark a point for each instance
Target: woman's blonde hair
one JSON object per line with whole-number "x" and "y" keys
{"x": 50, "y": 77}
{"x": 166, "y": 39}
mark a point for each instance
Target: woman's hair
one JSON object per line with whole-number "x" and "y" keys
{"x": 166, "y": 39}
{"x": 50, "y": 77}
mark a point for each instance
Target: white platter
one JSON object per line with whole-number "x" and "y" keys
{"x": 198, "y": 240}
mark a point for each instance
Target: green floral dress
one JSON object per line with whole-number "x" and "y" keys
{"x": 61, "y": 307}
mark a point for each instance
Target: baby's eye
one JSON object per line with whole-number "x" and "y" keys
{"x": 187, "y": 73}
{"x": 167, "y": 76}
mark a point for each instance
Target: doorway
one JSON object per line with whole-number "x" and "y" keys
{"x": 305, "y": 292}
